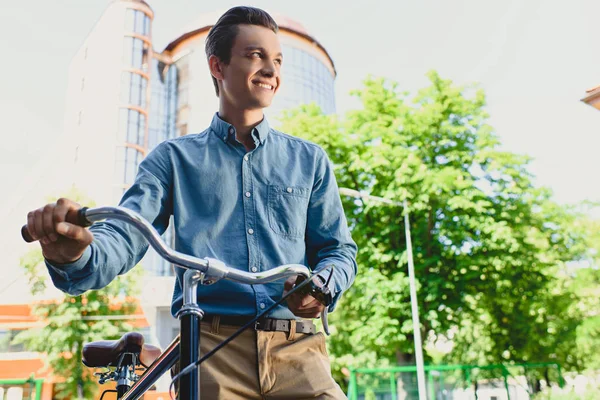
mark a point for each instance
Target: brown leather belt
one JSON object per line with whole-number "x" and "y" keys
{"x": 265, "y": 324}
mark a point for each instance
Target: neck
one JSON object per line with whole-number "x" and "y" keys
{"x": 242, "y": 120}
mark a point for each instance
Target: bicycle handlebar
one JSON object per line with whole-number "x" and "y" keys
{"x": 212, "y": 268}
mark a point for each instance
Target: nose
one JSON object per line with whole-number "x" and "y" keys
{"x": 269, "y": 70}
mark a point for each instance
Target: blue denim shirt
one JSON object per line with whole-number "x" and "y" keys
{"x": 274, "y": 205}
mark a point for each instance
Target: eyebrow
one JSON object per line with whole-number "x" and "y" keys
{"x": 262, "y": 49}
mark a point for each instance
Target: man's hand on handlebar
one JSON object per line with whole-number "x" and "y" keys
{"x": 53, "y": 226}
{"x": 302, "y": 305}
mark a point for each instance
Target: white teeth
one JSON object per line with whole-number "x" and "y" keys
{"x": 264, "y": 85}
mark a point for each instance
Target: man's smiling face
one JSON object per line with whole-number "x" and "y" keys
{"x": 252, "y": 77}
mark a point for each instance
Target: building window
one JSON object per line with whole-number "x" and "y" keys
{"x": 132, "y": 127}
{"x": 133, "y": 89}
{"x": 172, "y": 100}
{"x": 307, "y": 80}
{"x": 183, "y": 83}
{"x": 137, "y": 21}
{"x": 164, "y": 104}
{"x": 135, "y": 53}
{"x": 136, "y": 128}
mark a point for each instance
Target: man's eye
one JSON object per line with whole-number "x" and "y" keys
{"x": 255, "y": 54}
{"x": 278, "y": 61}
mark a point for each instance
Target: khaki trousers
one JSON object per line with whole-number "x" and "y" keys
{"x": 265, "y": 365}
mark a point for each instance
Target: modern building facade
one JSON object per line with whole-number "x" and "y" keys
{"x": 125, "y": 96}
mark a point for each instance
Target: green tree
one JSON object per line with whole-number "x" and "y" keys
{"x": 71, "y": 321}
{"x": 586, "y": 286}
{"x": 487, "y": 243}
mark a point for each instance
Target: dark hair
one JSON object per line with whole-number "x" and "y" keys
{"x": 221, "y": 36}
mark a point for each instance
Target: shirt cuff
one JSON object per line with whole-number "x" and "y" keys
{"x": 64, "y": 270}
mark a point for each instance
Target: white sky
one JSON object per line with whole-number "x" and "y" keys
{"x": 534, "y": 59}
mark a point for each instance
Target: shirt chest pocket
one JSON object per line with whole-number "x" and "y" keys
{"x": 287, "y": 208}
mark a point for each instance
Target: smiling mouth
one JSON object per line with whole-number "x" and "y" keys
{"x": 263, "y": 85}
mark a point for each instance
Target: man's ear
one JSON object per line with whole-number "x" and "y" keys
{"x": 216, "y": 67}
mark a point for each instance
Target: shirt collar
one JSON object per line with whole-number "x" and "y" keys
{"x": 225, "y": 131}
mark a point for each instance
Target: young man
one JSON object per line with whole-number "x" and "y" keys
{"x": 240, "y": 192}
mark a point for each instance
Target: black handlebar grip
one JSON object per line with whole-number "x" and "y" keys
{"x": 321, "y": 293}
{"x": 76, "y": 217}
{"x": 25, "y": 234}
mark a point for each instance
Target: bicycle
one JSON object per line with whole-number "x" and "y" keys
{"x": 123, "y": 357}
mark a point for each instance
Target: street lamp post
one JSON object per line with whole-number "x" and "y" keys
{"x": 412, "y": 283}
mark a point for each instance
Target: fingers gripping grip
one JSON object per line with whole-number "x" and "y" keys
{"x": 319, "y": 292}
{"x": 76, "y": 217}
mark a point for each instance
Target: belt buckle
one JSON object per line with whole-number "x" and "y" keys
{"x": 261, "y": 324}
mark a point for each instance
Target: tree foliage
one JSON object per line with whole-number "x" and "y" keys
{"x": 489, "y": 246}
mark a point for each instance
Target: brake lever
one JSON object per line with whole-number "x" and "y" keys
{"x": 319, "y": 292}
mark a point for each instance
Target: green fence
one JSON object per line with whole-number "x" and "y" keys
{"x": 446, "y": 382}
{"x": 26, "y": 389}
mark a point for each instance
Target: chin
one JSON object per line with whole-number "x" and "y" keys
{"x": 263, "y": 102}
{"x": 266, "y": 104}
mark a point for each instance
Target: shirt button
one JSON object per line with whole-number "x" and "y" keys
{"x": 289, "y": 190}
{"x": 262, "y": 305}
{"x": 224, "y": 137}
{"x": 231, "y": 130}
{"x": 251, "y": 231}
{"x": 246, "y": 157}
{"x": 247, "y": 194}
{"x": 254, "y": 269}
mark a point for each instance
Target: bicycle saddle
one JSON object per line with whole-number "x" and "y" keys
{"x": 106, "y": 353}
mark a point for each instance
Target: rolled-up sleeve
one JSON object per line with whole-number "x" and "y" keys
{"x": 117, "y": 247}
{"x": 328, "y": 239}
